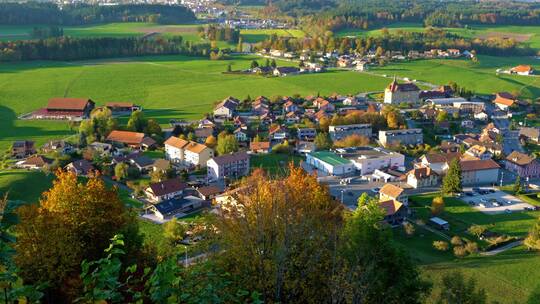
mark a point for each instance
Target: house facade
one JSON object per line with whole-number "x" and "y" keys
{"x": 422, "y": 178}
{"x": 397, "y": 93}
{"x": 479, "y": 172}
{"x": 522, "y": 164}
{"x": 165, "y": 190}
{"x": 401, "y": 137}
{"x": 232, "y": 165}
{"x": 330, "y": 163}
{"x": 340, "y": 132}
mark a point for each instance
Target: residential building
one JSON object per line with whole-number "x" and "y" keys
{"x": 65, "y": 109}
{"x": 422, "y": 177}
{"x": 185, "y": 152}
{"x": 330, "y": 163}
{"x": 401, "y": 137}
{"x": 209, "y": 192}
{"x": 304, "y": 147}
{"x": 285, "y": 71}
{"x": 168, "y": 209}
{"x": 22, "y": 148}
{"x": 60, "y": 146}
{"x": 119, "y": 108}
{"x": 340, "y": 132}
{"x": 306, "y": 134}
{"x": 504, "y": 100}
{"x": 226, "y": 108}
{"x": 278, "y": 133}
{"x": 480, "y": 152}
{"x": 81, "y": 167}
{"x": 393, "y": 192}
{"x": 174, "y": 149}
{"x": 127, "y": 138}
{"x": 438, "y": 162}
{"x": 34, "y": 162}
{"x": 395, "y": 212}
{"x": 260, "y": 147}
{"x": 368, "y": 159}
{"x": 201, "y": 134}
{"x": 478, "y": 172}
{"x": 522, "y": 165}
{"x": 397, "y": 93}
{"x": 241, "y": 135}
{"x": 232, "y": 165}
{"x": 165, "y": 190}
{"x": 530, "y": 134}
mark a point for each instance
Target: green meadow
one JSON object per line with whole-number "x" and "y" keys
{"x": 508, "y": 277}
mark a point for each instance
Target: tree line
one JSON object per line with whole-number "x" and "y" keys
{"x": 68, "y": 48}
{"x": 79, "y": 14}
{"x": 219, "y": 33}
{"x": 431, "y": 38}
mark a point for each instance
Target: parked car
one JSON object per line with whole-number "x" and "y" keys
{"x": 483, "y": 200}
{"x": 507, "y": 211}
{"x": 375, "y": 190}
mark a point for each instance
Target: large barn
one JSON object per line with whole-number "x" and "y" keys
{"x": 66, "y": 109}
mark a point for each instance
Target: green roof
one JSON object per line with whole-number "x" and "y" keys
{"x": 330, "y": 158}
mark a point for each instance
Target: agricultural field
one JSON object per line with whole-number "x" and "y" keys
{"x": 167, "y": 87}
{"x": 479, "y": 77}
{"x": 509, "y": 277}
{"x": 526, "y": 34}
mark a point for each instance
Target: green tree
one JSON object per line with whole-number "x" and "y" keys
{"x": 137, "y": 121}
{"x": 532, "y": 241}
{"x": 152, "y": 127}
{"x": 455, "y": 289}
{"x": 517, "y": 185}
{"x": 452, "y": 180}
{"x": 441, "y": 116}
{"x": 227, "y": 144}
{"x": 121, "y": 171}
{"x": 174, "y": 231}
{"x": 323, "y": 141}
{"x": 254, "y": 64}
{"x": 273, "y": 64}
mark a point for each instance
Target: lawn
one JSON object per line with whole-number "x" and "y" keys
{"x": 508, "y": 277}
{"x": 24, "y": 185}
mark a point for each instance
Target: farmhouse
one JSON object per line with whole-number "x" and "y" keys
{"x": 285, "y": 71}
{"x": 522, "y": 70}
{"x": 80, "y": 167}
{"x": 35, "y": 162}
{"x": 122, "y": 107}
{"x": 22, "y": 148}
{"x": 504, "y": 100}
{"x": 522, "y": 164}
{"x": 226, "y": 108}
{"x": 65, "y": 109}
{"x": 397, "y": 93}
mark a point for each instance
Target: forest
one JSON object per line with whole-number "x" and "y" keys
{"x": 67, "y": 48}
{"x": 80, "y": 14}
{"x": 402, "y": 41}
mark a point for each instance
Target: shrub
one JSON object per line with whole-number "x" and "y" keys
{"x": 409, "y": 229}
{"x": 471, "y": 247}
{"x": 441, "y": 245}
{"x": 456, "y": 241}
{"x": 437, "y": 205}
{"x": 460, "y": 251}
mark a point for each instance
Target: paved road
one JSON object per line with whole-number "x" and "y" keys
{"x": 502, "y": 249}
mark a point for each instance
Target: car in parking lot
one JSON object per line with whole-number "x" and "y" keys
{"x": 469, "y": 194}
{"x": 483, "y": 200}
{"x": 376, "y": 190}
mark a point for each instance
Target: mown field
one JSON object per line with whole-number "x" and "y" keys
{"x": 526, "y": 34}
{"x": 509, "y": 277}
{"x": 167, "y": 87}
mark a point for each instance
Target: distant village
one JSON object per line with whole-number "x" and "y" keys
{"x": 401, "y": 144}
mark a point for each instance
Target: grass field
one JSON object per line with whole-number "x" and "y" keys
{"x": 527, "y": 34}
{"x": 167, "y": 87}
{"x": 479, "y": 77}
{"x": 274, "y": 164}
{"x": 509, "y": 277}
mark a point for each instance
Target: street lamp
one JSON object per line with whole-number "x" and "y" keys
{"x": 185, "y": 256}
{"x": 502, "y": 177}
{"x": 342, "y": 196}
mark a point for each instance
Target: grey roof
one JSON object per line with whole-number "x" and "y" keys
{"x": 230, "y": 158}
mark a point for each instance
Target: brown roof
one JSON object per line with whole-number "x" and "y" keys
{"x": 119, "y": 105}
{"x": 519, "y": 158}
{"x": 38, "y": 161}
{"x": 390, "y": 207}
{"x": 126, "y": 137}
{"x": 391, "y": 190}
{"x": 422, "y": 172}
{"x": 209, "y": 190}
{"x": 176, "y": 142}
{"x": 402, "y": 87}
{"x": 442, "y": 157}
{"x": 529, "y": 132}
{"x": 230, "y": 158}
{"x": 203, "y": 132}
{"x": 162, "y": 164}
{"x": 260, "y": 145}
{"x": 167, "y": 187}
{"x": 75, "y": 104}
{"x": 476, "y": 165}
{"x": 195, "y": 147}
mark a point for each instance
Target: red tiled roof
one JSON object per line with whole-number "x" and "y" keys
{"x": 167, "y": 187}
{"x": 476, "y": 165}
{"x": 70, "y": 104}
{"x": 126, "y": 137}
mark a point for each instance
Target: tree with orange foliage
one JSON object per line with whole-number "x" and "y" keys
{"x": 72, "y": 222}
{"x": 276, "y": 236}
{"x": 354, "y": 140}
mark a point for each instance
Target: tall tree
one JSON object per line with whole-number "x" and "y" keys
{"x": 452, "y": 180}
{"x": 323, "y": 141}
{"x": 455, "y": 289}
{"x": 73, "y": 221}
{"x": 227, "y": 144}
{"x": 137, "y": 122}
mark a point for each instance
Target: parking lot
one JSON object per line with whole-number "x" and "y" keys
{"x": 493, "y": 201}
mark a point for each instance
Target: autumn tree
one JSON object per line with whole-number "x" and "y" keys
{"x": 100, "y": 124}
{"x": 452, "y": 180}
{"x": 174, "y": 231}
{"x": 72, "y": 222}
{"x": 277, "y": 237}
{"x": 211, "y": 141}
{"x": 532, "y": 241}
{"x": 437, "y": 205}
{"x": 137, "y": 121}
{"x": 354, "y": 140}
{"x": 121, "y": 171}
